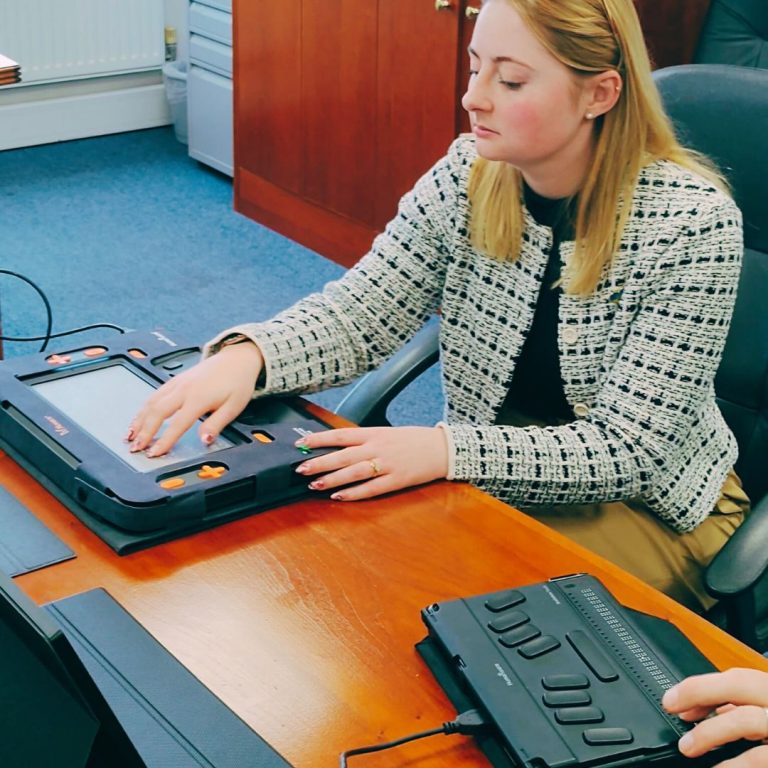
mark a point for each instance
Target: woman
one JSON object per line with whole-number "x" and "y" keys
{"x": 731, "y": 705}
{"x": 585, "y": 268}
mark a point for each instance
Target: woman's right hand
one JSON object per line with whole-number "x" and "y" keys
{"x": 221, "y": 385}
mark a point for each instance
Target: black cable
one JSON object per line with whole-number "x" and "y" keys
{"x": 48, "y": 312}
{"x": 58, "y": 335}
{"x": 49, "y": 315}
{"x": 467, "y": 723}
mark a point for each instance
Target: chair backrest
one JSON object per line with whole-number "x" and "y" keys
{"x": 722, "y": 111}
{"x": 735, "y": 32}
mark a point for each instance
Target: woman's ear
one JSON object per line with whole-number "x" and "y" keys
{"x": 602, "y": 93}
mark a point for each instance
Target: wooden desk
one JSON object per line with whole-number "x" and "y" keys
{"x": 303, "y": 619}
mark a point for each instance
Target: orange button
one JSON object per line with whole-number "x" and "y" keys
{"x": 58, "y": 359}
{"x": 137, "y": 353}
{"x": 211, "y": 473}
{"x": 262, "y": 437}
{"x": 172, "y": 482}
{"x": 94, "y": 351}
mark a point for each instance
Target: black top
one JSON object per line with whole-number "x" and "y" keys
{"x": 537, "y": 387}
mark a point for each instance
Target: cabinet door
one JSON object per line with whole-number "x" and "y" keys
{"x": 267, "y": 76}
{"x": 340, "y": 106}
{"x": 418, "y": 59}
{"x": 339, "y": 63}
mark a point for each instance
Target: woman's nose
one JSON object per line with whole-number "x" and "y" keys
{"x": 475, "y": 99}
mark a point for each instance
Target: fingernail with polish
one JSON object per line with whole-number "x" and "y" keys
{"x": 337, "y": 496}
{"x": 303, "y": 469}
{"x": 208, "y": 438}
{"x": 129, "y": 435}
{"x": 317, "y": 485}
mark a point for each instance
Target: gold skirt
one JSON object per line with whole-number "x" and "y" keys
{"x": 630, "y": 535}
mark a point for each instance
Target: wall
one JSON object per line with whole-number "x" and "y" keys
{"x": 40, "y": 114}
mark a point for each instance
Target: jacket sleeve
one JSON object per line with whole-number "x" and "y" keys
{"x": 659, "y": 389}
{"x": 357, "y": 322}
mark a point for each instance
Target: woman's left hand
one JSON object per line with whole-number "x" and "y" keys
{"x": 375, "y": 460}
{"x": 731, "y": 705}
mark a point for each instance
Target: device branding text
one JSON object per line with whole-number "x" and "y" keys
{"x": 58, "y": 427}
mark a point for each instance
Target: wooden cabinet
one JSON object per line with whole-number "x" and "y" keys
{"x": 340, "y": 106}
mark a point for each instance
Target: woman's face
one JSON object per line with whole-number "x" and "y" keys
{"x": 525, "y": 106}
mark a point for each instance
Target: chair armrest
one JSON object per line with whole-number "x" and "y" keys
{"x": 740, "y": 564}
{"x": 367, "y": 402}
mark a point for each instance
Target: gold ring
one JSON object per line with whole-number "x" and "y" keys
{"x": 375, "y": 468}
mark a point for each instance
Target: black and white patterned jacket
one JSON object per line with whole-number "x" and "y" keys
{"x": 637, "y": 357}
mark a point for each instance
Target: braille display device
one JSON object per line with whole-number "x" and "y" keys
{"x": 566, "y": 675}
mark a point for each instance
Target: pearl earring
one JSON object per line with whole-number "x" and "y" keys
{"x": 590, "y": 116}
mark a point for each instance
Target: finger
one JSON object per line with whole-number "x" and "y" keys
{"x": 744, "y": 722}
{"x": 757, "y": 757}
{"x": 333, "y": 438}
{"x": 213, "y": 426}
{"x": 331, "y": 462}
{"x": 177, "y": 425}
{"x": 366, "y": 490}
{"x": 149, "y": 406}
{"x": 735, "y": 686}
{"x": 354, "y": 473}
{"x": 151, "y": 422}
{"x": 695, "y": 714}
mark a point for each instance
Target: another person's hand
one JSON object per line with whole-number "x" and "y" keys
{"x": 734, "y": 704}
{"x": 375, "y": 460}
{"x": 221, "y": 385}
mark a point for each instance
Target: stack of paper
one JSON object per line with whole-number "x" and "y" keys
{"x": 10, "y": 71}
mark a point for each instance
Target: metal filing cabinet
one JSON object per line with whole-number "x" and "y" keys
{"x": 209, "y": 83}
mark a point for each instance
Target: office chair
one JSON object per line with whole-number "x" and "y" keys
{"x": 721, "y": 111}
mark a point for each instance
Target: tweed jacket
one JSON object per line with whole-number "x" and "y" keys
{"x": 638, "y": 356}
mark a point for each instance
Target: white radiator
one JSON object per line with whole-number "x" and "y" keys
{"x": 57, "y": 40}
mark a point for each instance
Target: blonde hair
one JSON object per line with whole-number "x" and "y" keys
{"x": 588, "y": 36}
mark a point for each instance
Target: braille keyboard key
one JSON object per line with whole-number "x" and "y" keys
{"x": 507, "y": 621}
{"x": 504, "y": 600}
{"x": 519, "y": 635}
{"x": 579, "y": 715}
{"x": 538, "y": 647}
{"x": 564, "y": 681}
{"x": 601, "y": 736}
{"x": 556, "y": 699}
{"x": 591, "y": 655}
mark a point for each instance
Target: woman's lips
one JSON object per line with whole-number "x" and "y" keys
{"x": 482, "y": 132}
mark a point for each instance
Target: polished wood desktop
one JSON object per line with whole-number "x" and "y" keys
{"x": 303, "y": 619}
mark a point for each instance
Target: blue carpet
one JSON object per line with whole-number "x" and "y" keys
{"x": 127, "y": 229}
